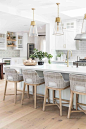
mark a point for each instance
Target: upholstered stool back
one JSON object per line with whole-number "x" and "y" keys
{"x": 78, "y": 83}
{"x": 12, "y": 75}
{"x": 31, "y": 77}
{"x": 55, "y": 80}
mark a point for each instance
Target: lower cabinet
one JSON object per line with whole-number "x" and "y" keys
{"x": 15, "y": 61}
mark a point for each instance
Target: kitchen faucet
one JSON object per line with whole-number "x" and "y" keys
{"x": 67, "y": 57}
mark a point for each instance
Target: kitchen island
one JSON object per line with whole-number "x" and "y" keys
{"x": 54, "y": 68}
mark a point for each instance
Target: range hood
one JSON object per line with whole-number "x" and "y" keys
{"x": 81, "y": 37}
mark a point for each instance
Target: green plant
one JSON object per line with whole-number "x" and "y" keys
{"x": 13, "y": 37}
{"x": 48, "y": 56}
{"x": 41, "y": 55}
{"x": 59, "y": 54}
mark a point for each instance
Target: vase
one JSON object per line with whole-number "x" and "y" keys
{"x": 59, "y": 58}
{"x": 40, "y": 62}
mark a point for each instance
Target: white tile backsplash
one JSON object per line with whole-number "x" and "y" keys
{"x": 9, "y": 53}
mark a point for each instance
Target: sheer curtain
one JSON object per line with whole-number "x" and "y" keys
{"x": 42, "y": 43}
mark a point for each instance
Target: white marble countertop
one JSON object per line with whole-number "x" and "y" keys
{"x": 61, "y": 61}
{"x": 53, "y": 67}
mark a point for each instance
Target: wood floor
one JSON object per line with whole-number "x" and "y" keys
{"x": 26, "y": 117}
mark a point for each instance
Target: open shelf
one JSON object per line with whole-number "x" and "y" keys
{"x": 11, "y": 45}
{"x": 11, "y": 40}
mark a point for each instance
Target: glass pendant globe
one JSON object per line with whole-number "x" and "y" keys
{"x": 33, "y": 31}
{"x": 83, "y": 26}
{"x": 58, "y": 29}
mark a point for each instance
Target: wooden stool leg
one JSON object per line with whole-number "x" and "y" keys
{"x": 33, "y": 91}
{"x": 35, "y": 96}
{"x": 45, "y": 99}
{"x": 15, "y": 87}
{"x": 53, "y": 96}
{"x": 23, "y": 93}
{"x": 5, "y": 90}
{"x": 70, "y": 105}
{"x": 60, "y": 102}
{"x": 28, "y": 91}
{"x": 77, "y": 96}
{"x": 48, "y": 95}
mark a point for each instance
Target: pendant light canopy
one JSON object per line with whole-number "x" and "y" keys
{"x": 83, "y": 30}
{"x": 33, "y": 27}
{"x": 58, "y": 29}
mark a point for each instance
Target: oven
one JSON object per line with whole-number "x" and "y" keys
{"x": 7, "y": 61}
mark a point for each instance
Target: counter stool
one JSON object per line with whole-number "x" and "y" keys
{"x": 77, "y": 86}
{"x": 55, "y": 82}
{"x": 31, "y": 78}
{"x": 11, "y": 75}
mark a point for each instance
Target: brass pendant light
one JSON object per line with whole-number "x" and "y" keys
{"x": 33, "y": 27}
{"x": 58, "y": 29}
{"x": 83, "y": 30}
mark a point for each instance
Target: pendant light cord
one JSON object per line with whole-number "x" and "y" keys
{"x": 58, "y": 10}
{"x": 33, "y": 15}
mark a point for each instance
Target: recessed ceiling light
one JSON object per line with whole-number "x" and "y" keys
{"x": 75, "y": 12}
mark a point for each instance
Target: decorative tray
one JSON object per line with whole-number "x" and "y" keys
{"x": 30, "y": 62}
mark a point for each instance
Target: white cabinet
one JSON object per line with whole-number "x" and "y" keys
{"x": 3, "y": 41}
{"x": 66, "y": 41}
{"x": 60, "y": 44}
{"x": 15, "y": 61}
{"x": 69, "y": 40}
{"x": 19, "y": 41}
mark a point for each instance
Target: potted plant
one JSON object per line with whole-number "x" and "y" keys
{"x": 40, "y": 55}
{"x": 59, "y": 56}
{"x": 48, "y": 56}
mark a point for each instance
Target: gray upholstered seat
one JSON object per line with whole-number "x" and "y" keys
{"x": 55, "y": 80}
{"x": 78, "y": 83}
{"x": 12, "y": 75}
{"x": 31, "y": 77}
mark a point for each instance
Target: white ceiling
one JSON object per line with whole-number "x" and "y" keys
{"x": 14, "y": 14}
{"x": 9, "y": 22}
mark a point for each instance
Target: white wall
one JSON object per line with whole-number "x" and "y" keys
{"x": 23, "y": 52}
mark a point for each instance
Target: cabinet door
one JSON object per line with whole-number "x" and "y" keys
{"x": 3, "y": 40}
{"x": 70, "y": 42}
{"x": 14, "y": 61}
{"x": 21, "y": 60}
{"x": 60, "y": 44}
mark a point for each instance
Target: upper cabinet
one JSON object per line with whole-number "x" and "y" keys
{"x": 3, "y": 41}
{"x": 66, "y": 41}
{"x": 19, "y": 43}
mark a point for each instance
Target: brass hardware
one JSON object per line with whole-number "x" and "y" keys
{"x": 85, "y": 16}
{"x": 83, "y": 23}
{"x": 57, "y": 3}
{"x": 64, "y": 45}
{"x": 67, "y": 57}
{"x": 57, "y": 19}
{"x": 33, "y": 23}
{"x": 33, "y": 8}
